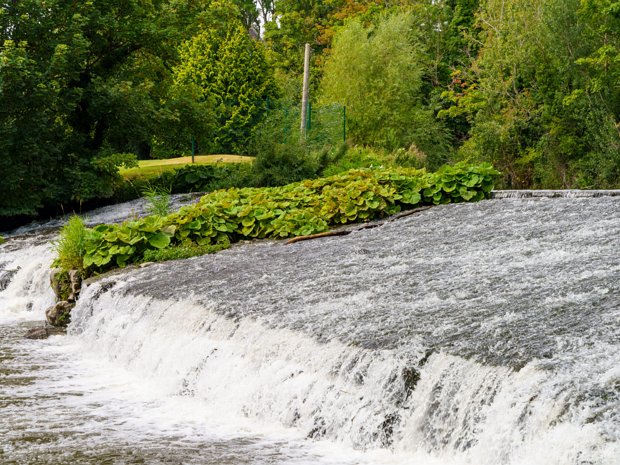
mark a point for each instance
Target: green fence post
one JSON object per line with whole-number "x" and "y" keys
{"x": 193, "y": 148}
{"x": 344, "y": 123}
{"x": 309, "y": 119}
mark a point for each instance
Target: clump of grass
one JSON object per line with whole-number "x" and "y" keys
{"x": 1, "y": 240}
{"x": 70, "y": 247}
{"x": 158, "y": 200}
{"x": 181, "y": 251}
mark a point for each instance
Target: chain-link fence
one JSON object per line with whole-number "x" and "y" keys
{"x": 326, "y": 125}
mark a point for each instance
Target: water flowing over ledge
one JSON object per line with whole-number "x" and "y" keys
{"x": 559, "y": 193}
{"x": 470, "y": 334}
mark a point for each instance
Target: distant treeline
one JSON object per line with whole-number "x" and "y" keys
{"x": 532, "y": 86}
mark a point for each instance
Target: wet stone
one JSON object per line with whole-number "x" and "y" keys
{"x": 44, "y": 332}
{"x": 59, "y": 314}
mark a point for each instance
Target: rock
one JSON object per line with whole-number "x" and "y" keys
{"x": 6, "y": 276}
{"x": 75, "y": 285}
{"x": 55, "y": 277}
{"x": 43, "y": 332}
{"x": 59, "y": 314}
{"x": 36, "y": 333}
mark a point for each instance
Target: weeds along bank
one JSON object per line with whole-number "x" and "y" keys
{"x": 303, "y": 208}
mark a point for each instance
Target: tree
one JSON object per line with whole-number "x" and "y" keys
{"x": 65, "y": 88}
{"x": 231, "y": 71}
{"x": 81, "y": 83}
{"x": 377, "y": 73}
{"x": 545, "y": 105}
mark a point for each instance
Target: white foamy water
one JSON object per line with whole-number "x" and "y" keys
{"x": 469, "y": 334}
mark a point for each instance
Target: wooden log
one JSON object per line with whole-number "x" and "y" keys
{"x": 346, "y": 232}
{"x": 316, "y": 236}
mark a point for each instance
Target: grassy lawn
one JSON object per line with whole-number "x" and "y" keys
{"x": 152, "y": 168}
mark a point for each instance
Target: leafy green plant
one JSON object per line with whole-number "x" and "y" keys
{"x": 71, "y": 245}
{"x": 181, "y": 251}
{"x": 158, "y": 200}
{"x": 278, "y": 164}
{"x": 307, "y": 207}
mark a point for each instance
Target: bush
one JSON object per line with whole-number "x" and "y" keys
{"x": 190, "y": 178}
{"x": 356, "y": 158}
{"x": 70, "y": 247}
{"x": 279, "y": 164}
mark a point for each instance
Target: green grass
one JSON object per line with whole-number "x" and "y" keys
{"x": 70, "y": 245}
{"x": 152, "y": 168}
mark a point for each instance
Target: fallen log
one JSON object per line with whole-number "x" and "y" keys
{"x": 346, "y": 232}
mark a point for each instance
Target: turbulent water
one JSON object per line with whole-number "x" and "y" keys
{"x": 471, "y": 334}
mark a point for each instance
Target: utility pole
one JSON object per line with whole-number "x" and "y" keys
{"x": 306, "y": 92}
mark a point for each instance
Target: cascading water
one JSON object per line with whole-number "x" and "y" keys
{"x": 479, "y": 334}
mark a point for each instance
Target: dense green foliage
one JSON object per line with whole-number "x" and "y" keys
{"x": 377, "y": 74}
{"x": 82, "y": 82}
{"x": 302, "y": 208}
{"x": 227, "y": 69}
{"x": 85, "y": 87}
{"x": 192, "y": 178}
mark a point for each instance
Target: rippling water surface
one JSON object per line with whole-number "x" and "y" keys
{"x": 479, "y": 334}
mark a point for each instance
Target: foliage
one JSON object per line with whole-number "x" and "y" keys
{"x": 80, "y": 81}
{"x": 277, "y": 164}
{"x": 71, "y": 245}
{"x": 63, "y": 281}
{"x": 179, "y": 252}
{"x": 284, "y": 155}
{"x": 302, "y": 208}
{"x": 158, "y": 200}
{"x": 377, "y": 73}
{"x": 2, "y": 239}
{"x": 202, "y": 178}
{"x": 542, "y": 101}
{"x": 227, "y": 68}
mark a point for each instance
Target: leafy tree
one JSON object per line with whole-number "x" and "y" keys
{"x": 231, "y": 71}
{"x": 539, "y": 111}
{"x": 378, "y": 74}
{"x": 81, "y": 83}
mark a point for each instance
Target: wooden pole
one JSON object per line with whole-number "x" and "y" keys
{"x": 306, "y": 91}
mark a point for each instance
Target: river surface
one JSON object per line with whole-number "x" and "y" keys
{"x": 470, "y": 334}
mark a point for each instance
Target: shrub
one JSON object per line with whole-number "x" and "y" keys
{"x": 191, "y": 178}
{"x": 283, "y": 163}
{"x": 70, "y": 247}
{"x": 356, "y": 158}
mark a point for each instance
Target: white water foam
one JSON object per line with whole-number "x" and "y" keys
{"x": 460, "y": 413}
{"x": 25, "y": 271}
{"x": 533, "y": 306}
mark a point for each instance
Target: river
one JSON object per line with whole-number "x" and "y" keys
{"x": 484, "y": 334}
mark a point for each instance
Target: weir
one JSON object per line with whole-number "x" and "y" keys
{"x": 480, "y": 333}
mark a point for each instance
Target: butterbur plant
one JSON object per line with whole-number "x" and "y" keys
{"x": 70, "y": 246}
{"x": 303, "y": 208}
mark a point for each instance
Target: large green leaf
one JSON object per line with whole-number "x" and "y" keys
{"x": 159, "y": 240}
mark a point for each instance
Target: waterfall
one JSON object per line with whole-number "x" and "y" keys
{"x": 469, "y": 334}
